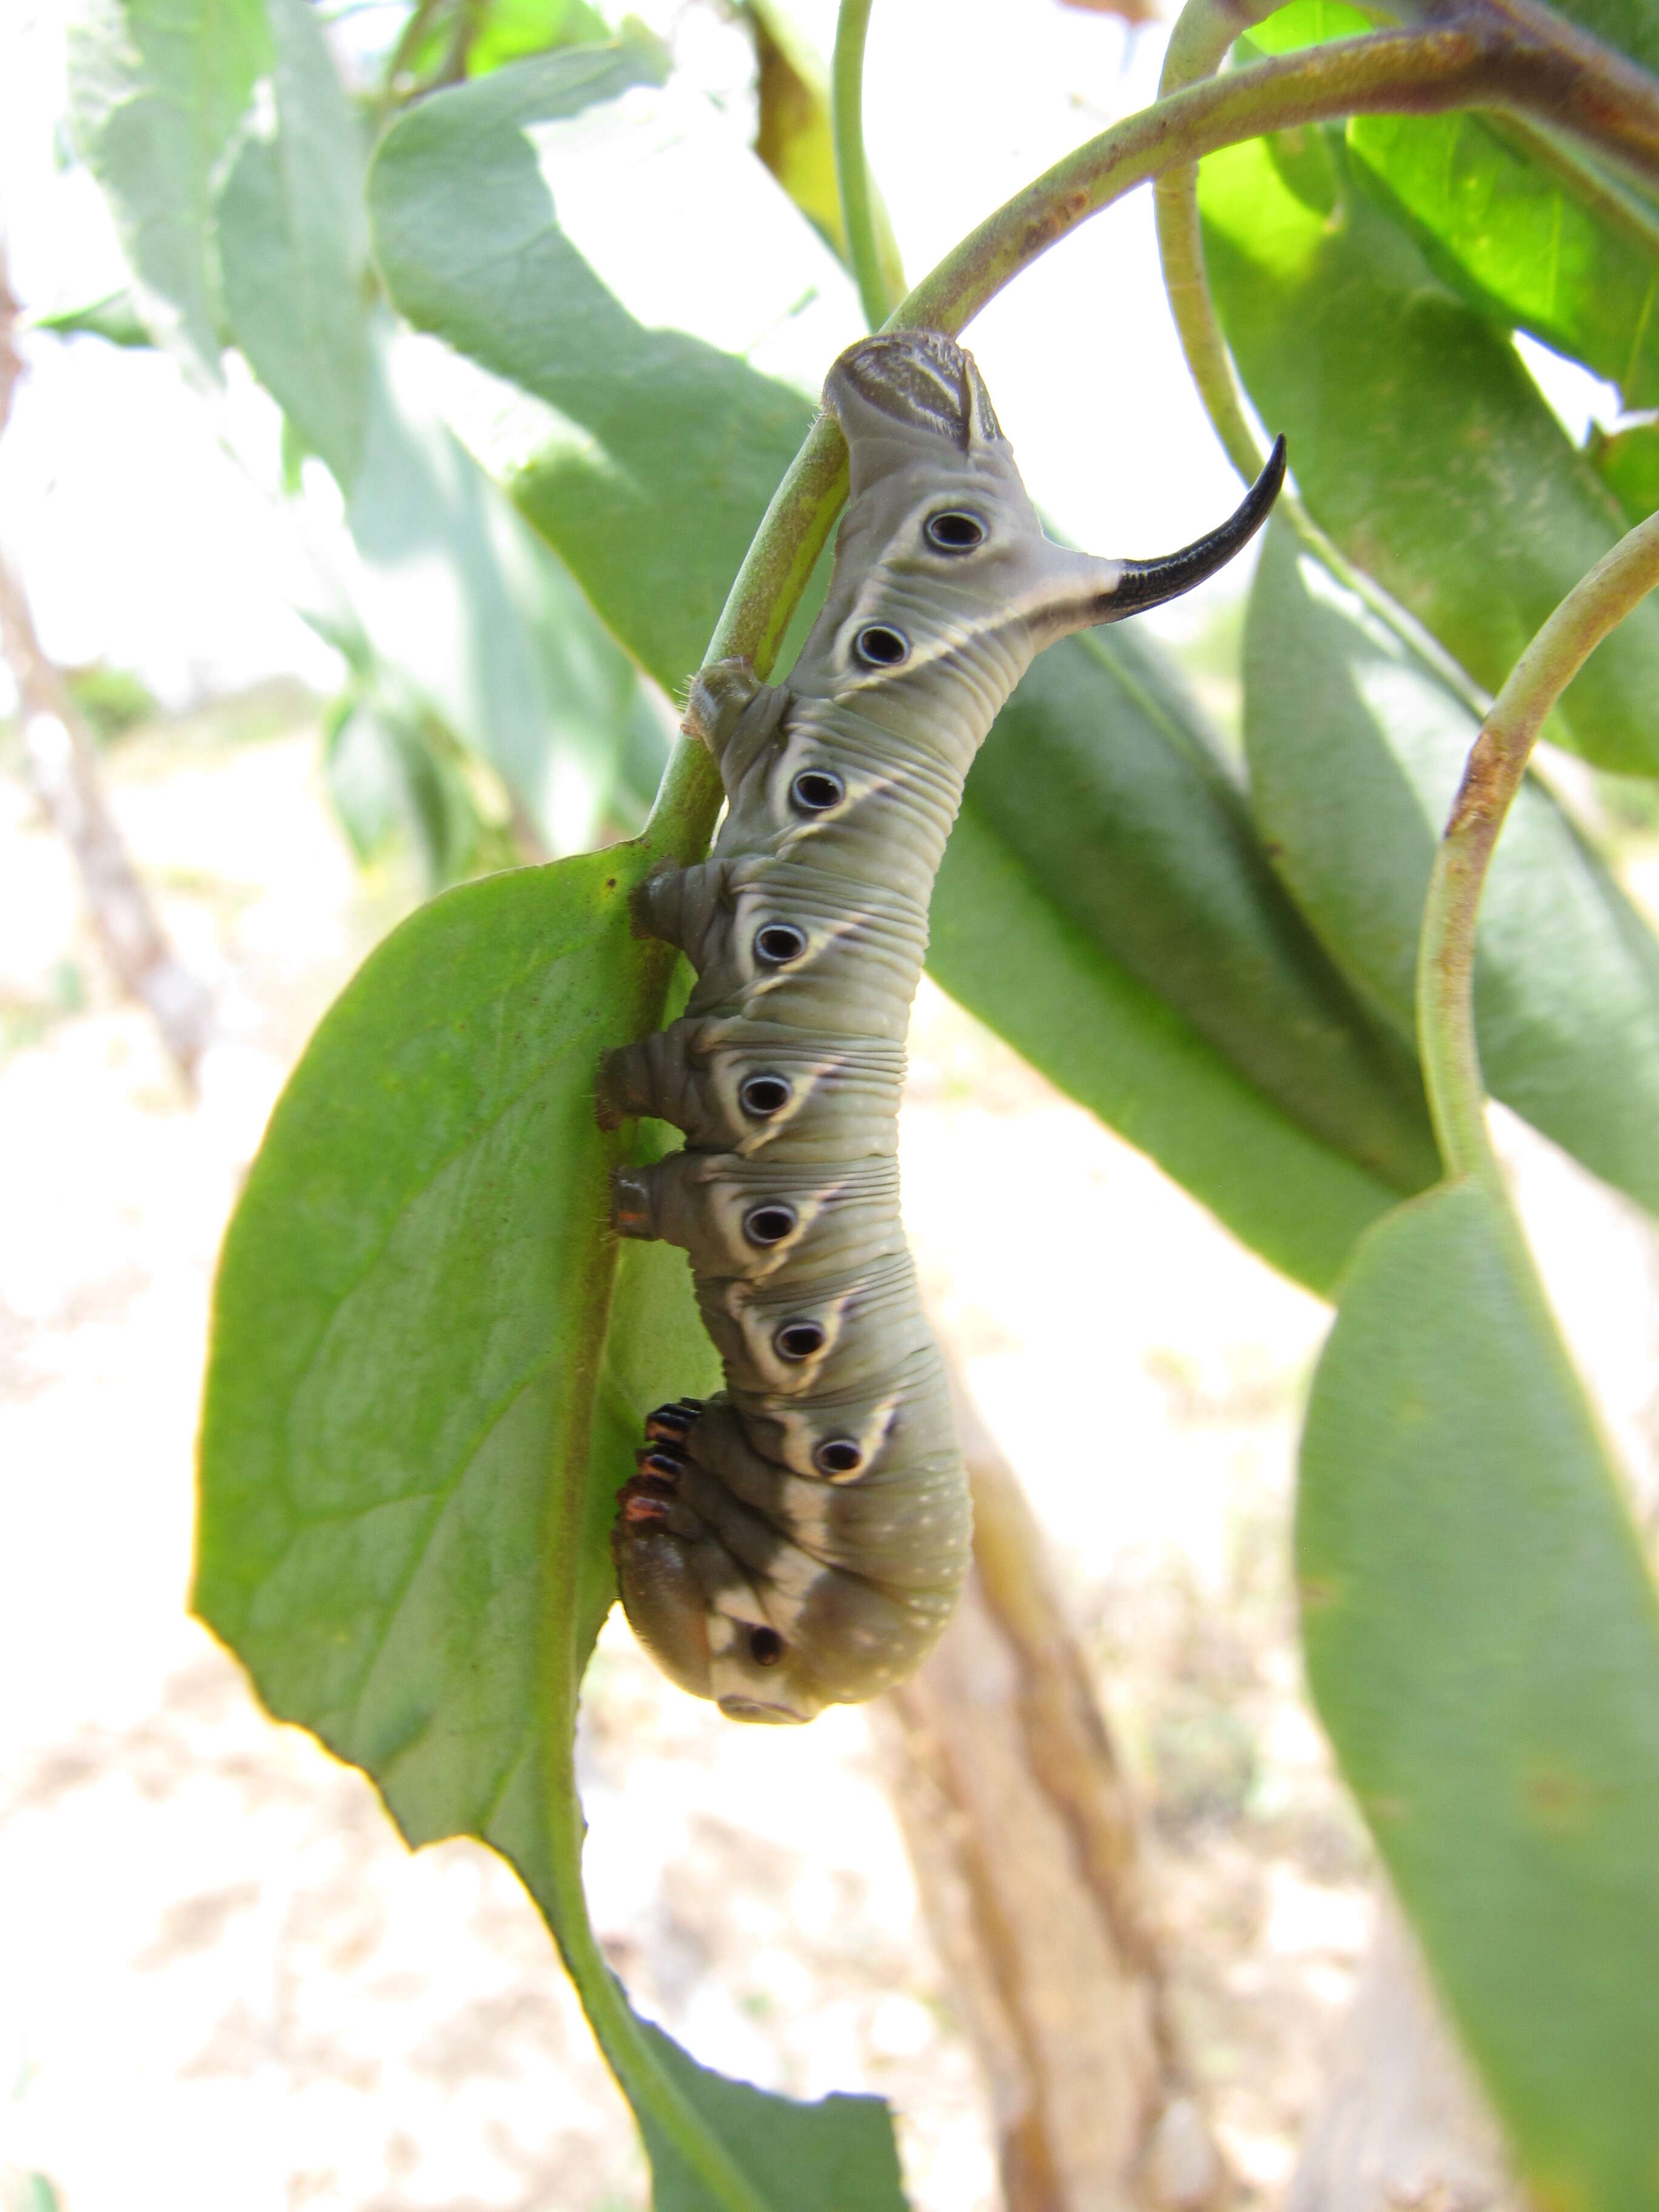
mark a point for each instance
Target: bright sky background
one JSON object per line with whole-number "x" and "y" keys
{"x": 148, "y": 525}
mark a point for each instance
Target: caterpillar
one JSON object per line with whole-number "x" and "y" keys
{"x": 801, "y": 1540}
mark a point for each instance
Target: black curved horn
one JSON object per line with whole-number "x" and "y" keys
{"x": 1149, "y": 583}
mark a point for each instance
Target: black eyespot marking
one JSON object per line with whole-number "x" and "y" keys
{"x": 878, "y": 646}
{"x": 763, "y": 1095}
{"x": 816, "y": 788}
{"x": 798, "y": 1339}
{"x": 836, "y": 1455}
{"x": 955, "y": 530}
{"x": 769, "y": 1224}
{"x": 780, "y": 942}
{"x": 765, "y": 1646}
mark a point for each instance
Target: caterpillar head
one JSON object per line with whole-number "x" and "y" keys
{"x": 937, "y": 507}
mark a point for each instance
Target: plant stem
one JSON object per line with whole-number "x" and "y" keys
{"x": 1480, "y": 61}
{"x": 1445, "y": 964}
{"x": 858, "y": 215}
{"x": 1203, "y": 32}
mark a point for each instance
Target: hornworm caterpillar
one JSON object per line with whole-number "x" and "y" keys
{"x": 801, "y": 1540}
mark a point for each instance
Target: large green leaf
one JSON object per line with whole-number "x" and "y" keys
{"x": 1099, "y": 777}
{"x": 1482, "y": 1642}
{"x": 157, "y": 89}
{"x": 416, "y": 1419}
{"x": 293, "y": 246}
{"x": 1000, "y": 945}
{"x": 1525, "y": 224}
{"x": 1520, "y": 242}
{"x": 681, "y": 445}
{"x": 1417, "y": 437}
{"x": 1629, "y": 464}
{"x": 1355, "y": 751}
{"x": 456, "y": 593}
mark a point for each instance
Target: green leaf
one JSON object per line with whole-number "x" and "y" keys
{"x": 157, "y": 89}
{"x": 293, "y": 243}
{"x": 1418, "y": 439}
{"x": 508, "y": 30}
{"x": 1101, "y": 779}
{"x": 794, "y": 137}
{"x": 408, "y": 1324}
{"x": 459, "y": 596}
{"x": 1482, "y": 1643}
{"x": 654, "y": 504}
{"x": 1355, "y": 750}
{"x": 826, "y": 2157}
{"x": 417, "y": 1419}
{"x": 1628, "y": 463}
{"x": 998, "y": 943}
{"x": 685, "y": 446}
{"x": 1519, "y": 243}
{"x": 115, "y": 318}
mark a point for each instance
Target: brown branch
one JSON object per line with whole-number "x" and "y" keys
{"x": 63, "y": 767}
{"x": 1022, "y": 1832}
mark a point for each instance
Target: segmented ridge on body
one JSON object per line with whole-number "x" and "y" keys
{"x": 801, "y": 1540}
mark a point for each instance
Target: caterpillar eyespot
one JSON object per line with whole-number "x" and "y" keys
{"x": 762, "y": 1096}
{"x": 780, "y": 942}
{"x": 769, "y": 1224}
{"x": 838, "y": 1456}
{"x": 954, "y": 532}
{"x": 814, "y": 790}
{"x": 871, "y": 1546}
{"x": 798, "y": 1339}
{"x": 879, "y": 645}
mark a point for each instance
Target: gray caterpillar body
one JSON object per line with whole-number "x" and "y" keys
{"x": 801, "y": 1540}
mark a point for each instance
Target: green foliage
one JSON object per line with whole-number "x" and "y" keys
{"x": 1483, "y": 1643}
{"x": 293, "y": 243}
{"x": 421, "y": 1398}
{"x": 430, "y": 1362}
{"x": 157, "y": 91}
{"x": 1420, "y": 443}
{"x": 1355, "y": 750}
{"x": 112, "y": 701}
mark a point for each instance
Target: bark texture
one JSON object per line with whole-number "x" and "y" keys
{"x": 1025, "y": 1842}
{"x": 62, "y": 764}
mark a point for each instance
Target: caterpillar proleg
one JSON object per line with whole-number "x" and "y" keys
{"x": 801, "y": 1540}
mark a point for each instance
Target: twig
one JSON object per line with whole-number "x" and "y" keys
{"x": 858, "y": 216}
{"x": 63, "y": 765}
{"x": 1445, "y": 968}
{"x": 1498, "y": 53}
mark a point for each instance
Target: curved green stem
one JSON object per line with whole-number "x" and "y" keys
{"x": 1204, "y": 31}
{"x": 858, "y": 212}
{"x": 1445, "y": 964}
{"x": 1460, "y": 64}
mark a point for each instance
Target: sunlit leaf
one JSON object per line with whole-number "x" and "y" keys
{"x": 1629, "y": 465}
{"x": 293, "y": 244}
{"x": 1355, "y": 750}
{"x": 794, "y": 137}
{"x": 1482, "y": 1642}
{"x": 1417, "y": 437}
{"x": 157, "y": 89}
{"x": 415, "y": 1408}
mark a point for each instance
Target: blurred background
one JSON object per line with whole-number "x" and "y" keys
{"x": 223, "y": 1980}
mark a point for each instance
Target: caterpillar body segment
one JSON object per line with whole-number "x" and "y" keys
{"x": 801, "y": 1540}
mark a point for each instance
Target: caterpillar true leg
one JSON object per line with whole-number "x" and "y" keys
{"x": 801, "y": 1540}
